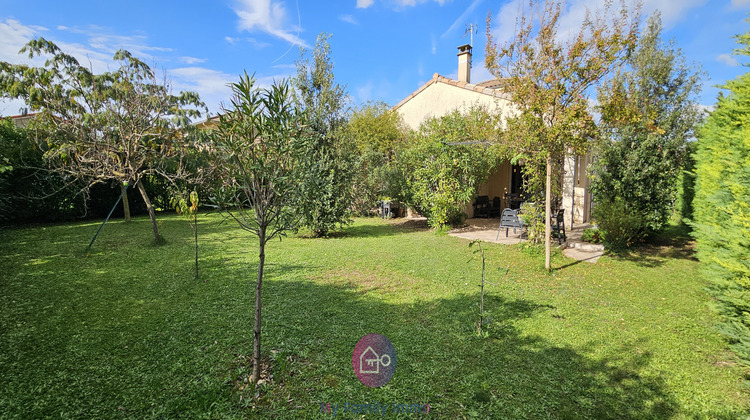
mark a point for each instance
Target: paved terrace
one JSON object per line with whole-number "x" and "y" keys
{"x": 486, "y": 230}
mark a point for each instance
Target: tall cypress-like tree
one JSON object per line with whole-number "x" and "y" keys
{"x": 722, "y": 206}
{"x": 330, "y": 158}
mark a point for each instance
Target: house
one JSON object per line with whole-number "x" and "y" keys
{"x": 442, "y": 95}
{"x": 22, "y": 121}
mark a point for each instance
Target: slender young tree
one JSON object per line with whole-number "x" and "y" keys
{"x": 549, "y": 82}
{"x": 121, "y": 126}
{"x": 258, "y": 145}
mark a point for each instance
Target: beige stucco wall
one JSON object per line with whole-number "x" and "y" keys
{"x": 497, "y": 185}
{"x": 439, "y": 99}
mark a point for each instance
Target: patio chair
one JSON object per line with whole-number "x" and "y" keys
{"x": 482, "y": 206}
{"x": 509, "y": 219}
{"x": 558, "y": 226}
{"x": 495, "y": 207}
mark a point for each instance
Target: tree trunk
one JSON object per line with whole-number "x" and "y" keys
{"x": 547, "y": 213}
{"x": 256, "y": 337}
{"x": 151, "y": 213}
{"x": 125, "y": 203}
{"x": 195, "y": 231}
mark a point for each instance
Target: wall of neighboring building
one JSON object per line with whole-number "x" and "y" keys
{"x": 439, "y": 99}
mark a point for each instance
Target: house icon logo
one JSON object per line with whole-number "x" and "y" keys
{"x": 370, "y": 362}
{"x": 374, "y": 360}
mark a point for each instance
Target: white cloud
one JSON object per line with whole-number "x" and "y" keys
{"x": 364, "y": 4}
{"x": 740, "y": 4}
{"x": 728, "y": 60}
{"x": 15, "y": 36}
{"x": 252, "y": 41}
{"x": 433, "y": 50}
{"x": 348, "y": 19}
{"x": 404, "y": 3}
{"x": 267, "y": 16}
{"x": 212, "y": 85}
{"x": 504, "y": 22}
{"x": 192, "y": 60}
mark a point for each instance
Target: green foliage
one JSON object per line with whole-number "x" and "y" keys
{"x": 378, "y": 133}
{"x": 330, "y": 156}
{"x": 549, "y": 83}
{"x": 446, "y": 161}
{"x": 186, "y": 205}
{"x": 28, "y": 191}
{"x": 532, "y": 215}
{"x": 592, "y": 235}
{"x": 686, "y": 187}
{"x": 123, "y": 125}
{"x": 376, "y": 127}
{"x": 648, "y": 114}
{"x": 722, "y": 206}
{"x": 258, "y": 147}
{"x": 622, "y": 227}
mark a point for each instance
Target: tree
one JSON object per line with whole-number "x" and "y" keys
{"x": 258, "y": 146}
{"x": 377, "y": 131}
{"x": 648, "y": 113}
{"x": 721, "y": 217}
{"x": 447, "y": 160}
{"x": 186, "y": 205}
{"x": 122, "y": 125}
{"x": 549, "y": 83}
{"x": 330, "y": 157}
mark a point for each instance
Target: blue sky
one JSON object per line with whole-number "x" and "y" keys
{"x": 382, "y": 49}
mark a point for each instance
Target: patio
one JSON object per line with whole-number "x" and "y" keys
{"x": 486, "y": 230}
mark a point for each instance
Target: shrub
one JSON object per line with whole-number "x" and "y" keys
{"x": 592, "y": 235}
{"x": 443, "y": 165}
{"x": 533, "y": 218}
{"x": 621, "y": 223}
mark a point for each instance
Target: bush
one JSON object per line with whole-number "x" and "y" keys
{"x": 533, "y": 218}
{"x": 592, "y": 235}
{"x": 620, "y": 223}
{"x": 443, "y": 167}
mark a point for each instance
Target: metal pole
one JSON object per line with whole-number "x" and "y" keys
{"x": 124, "y": 190}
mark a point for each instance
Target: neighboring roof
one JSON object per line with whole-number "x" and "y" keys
{"x": 489, "y": 87}
{"x": 22, "y": 120}
{"x": 207, "y": 123}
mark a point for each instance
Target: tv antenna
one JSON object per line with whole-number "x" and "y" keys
{"x": 471, "y": 29}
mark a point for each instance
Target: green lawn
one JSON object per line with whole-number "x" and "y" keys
{"x": 125, "y": 331}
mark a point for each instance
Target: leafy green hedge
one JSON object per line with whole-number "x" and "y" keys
{"x": 722, "y": 208}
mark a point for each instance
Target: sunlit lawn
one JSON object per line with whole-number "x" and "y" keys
{"x": 125, "y": 330}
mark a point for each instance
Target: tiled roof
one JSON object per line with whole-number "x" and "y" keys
{"x": 489, "y": 87}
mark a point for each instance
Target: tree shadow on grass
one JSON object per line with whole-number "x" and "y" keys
{"x": 441, "y": 360}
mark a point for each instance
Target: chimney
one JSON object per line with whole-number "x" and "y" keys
{"x": 464, "y": 63}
